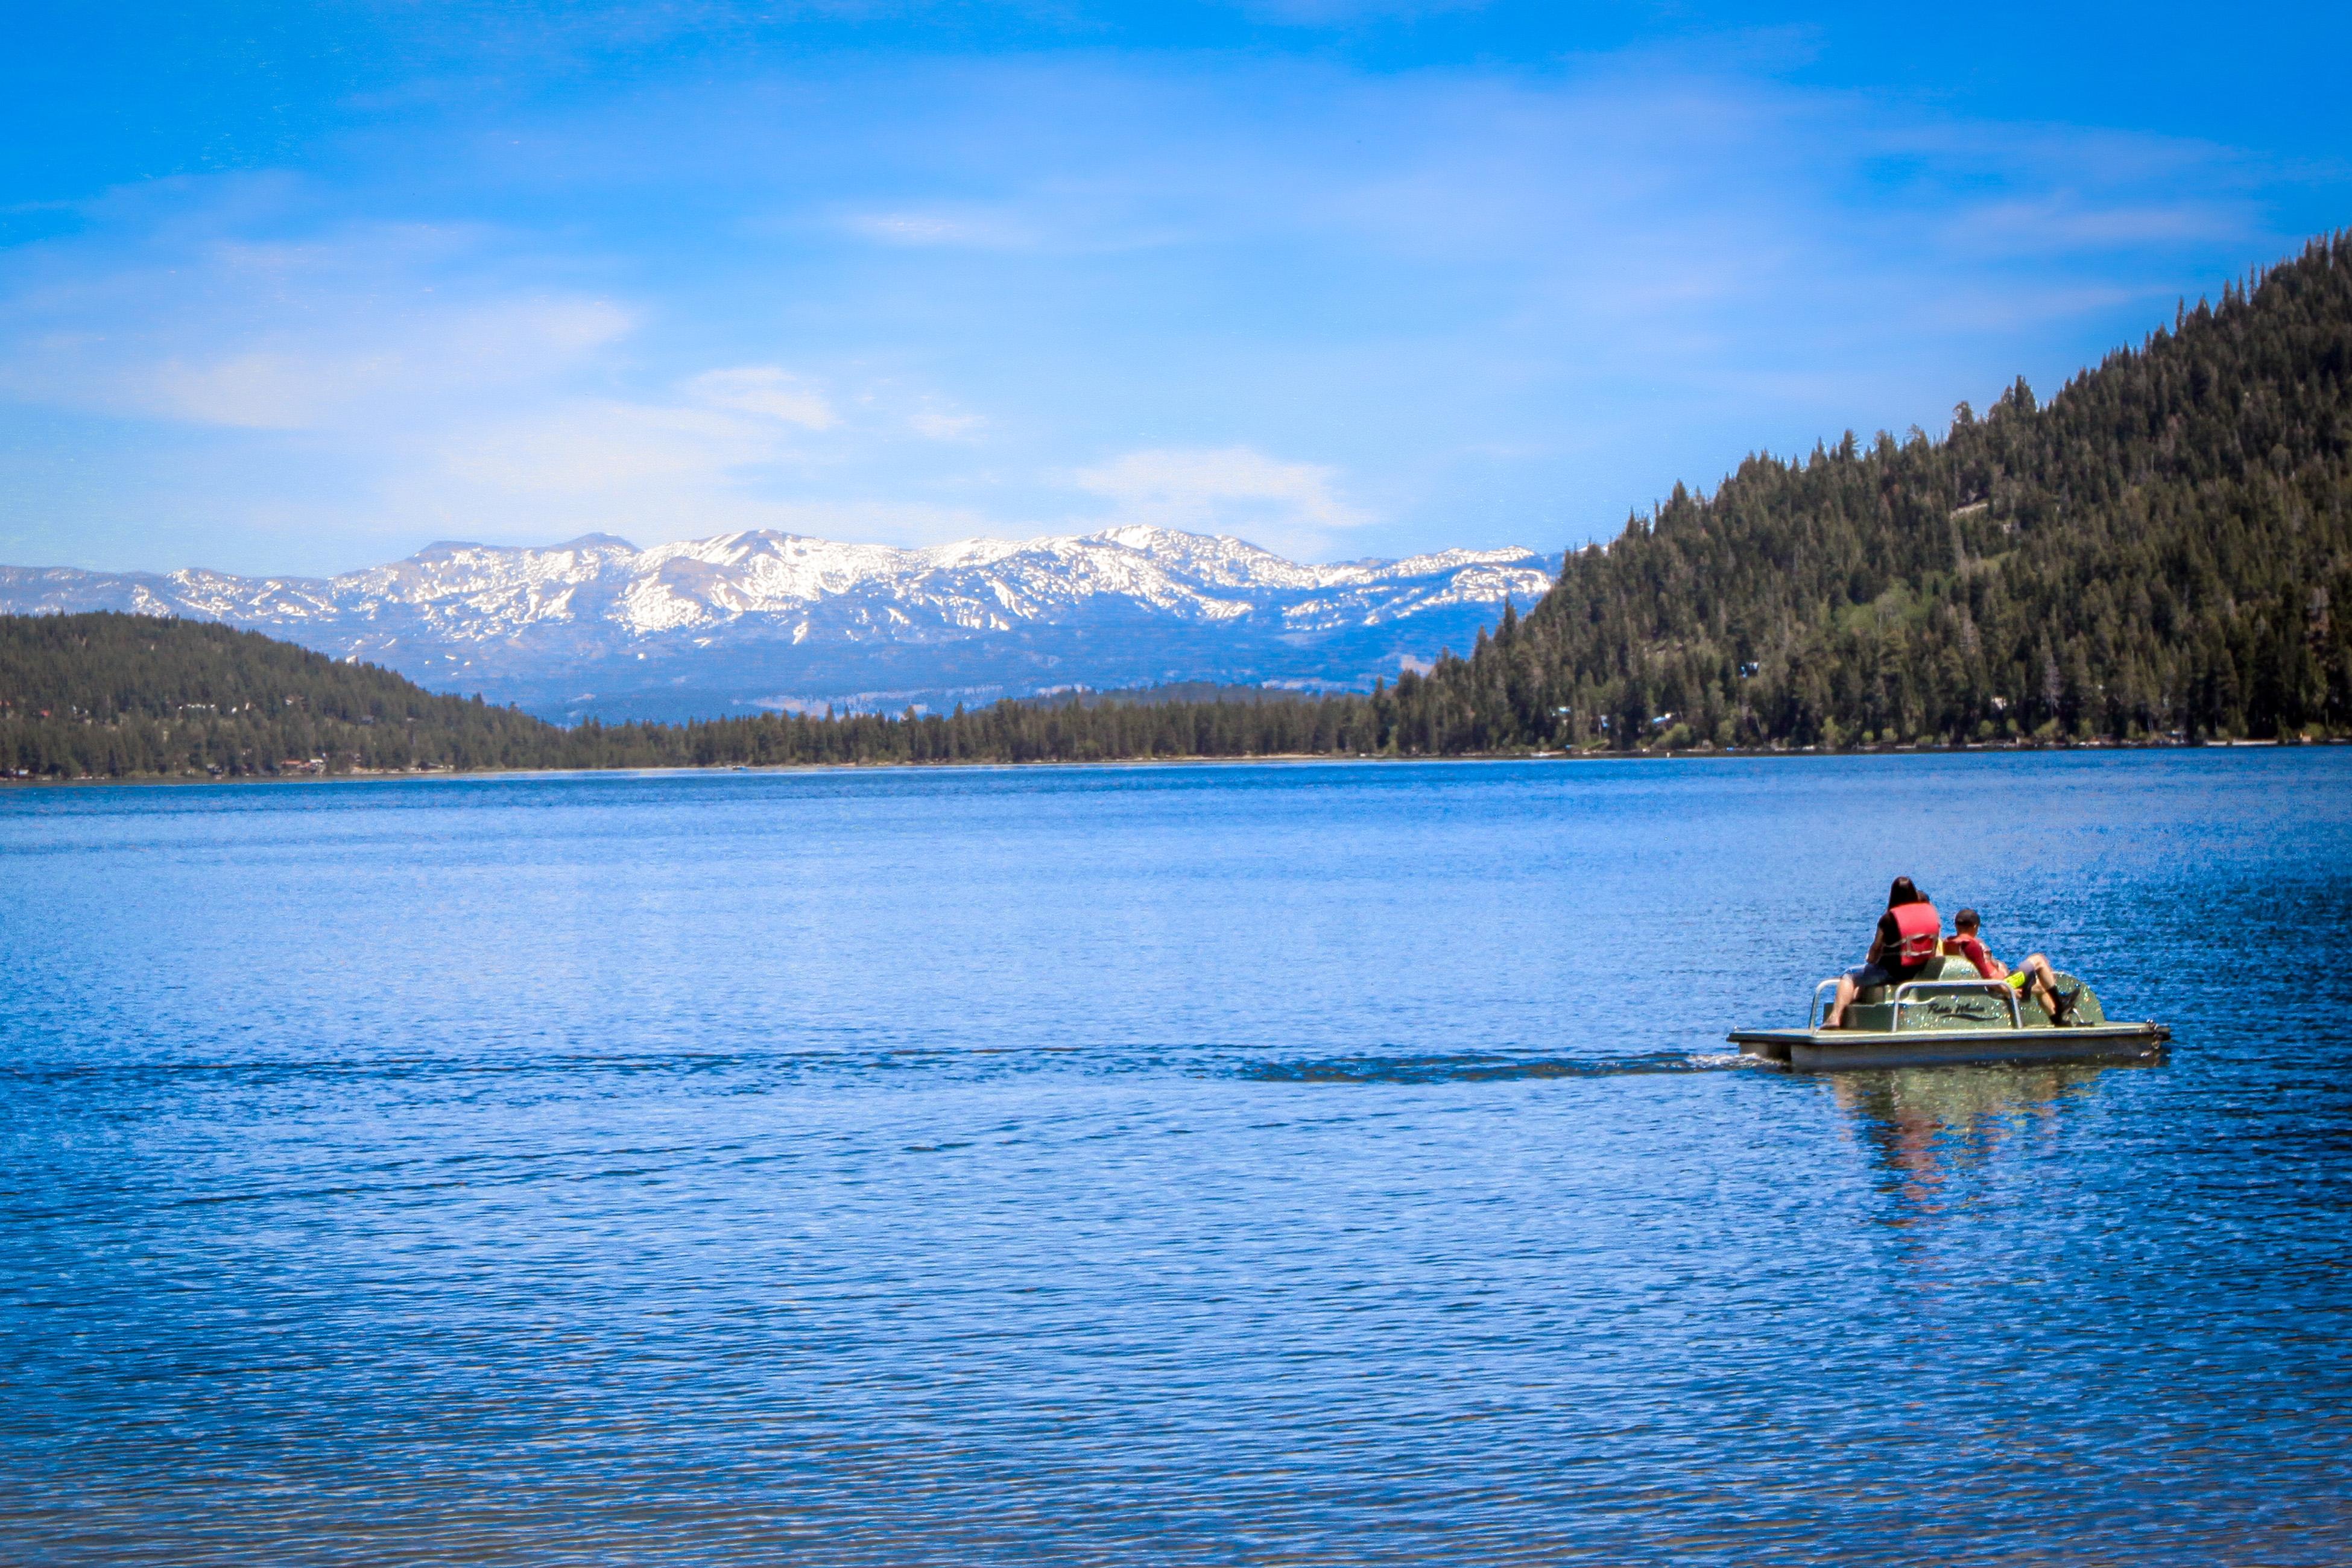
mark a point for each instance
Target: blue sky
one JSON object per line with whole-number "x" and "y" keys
{"x": 302, "y": 288}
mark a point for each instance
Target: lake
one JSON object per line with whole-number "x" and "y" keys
{"x": 1220, "y": 1164}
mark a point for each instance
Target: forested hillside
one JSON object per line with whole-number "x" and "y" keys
{"x": 111, "y": 695}
{"x": 120, "y": 696}
{"x": 2163, "y": 549}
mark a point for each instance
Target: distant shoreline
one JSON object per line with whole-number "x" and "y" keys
{"x": 1694, "y": 754}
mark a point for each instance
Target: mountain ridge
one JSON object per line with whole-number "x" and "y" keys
{"x": 2162, "y": 554}
{"x": 597, "y": 626}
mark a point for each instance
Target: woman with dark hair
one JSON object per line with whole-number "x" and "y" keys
{"x": 1909, "y": 933}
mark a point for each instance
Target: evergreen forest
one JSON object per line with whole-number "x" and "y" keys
{"x": 108, "y": 695}
{"x": 2157, "y": 554}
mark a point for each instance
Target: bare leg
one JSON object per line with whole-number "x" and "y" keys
{"x": 2044, "y": 981}
{"x": 1844, "y": 999}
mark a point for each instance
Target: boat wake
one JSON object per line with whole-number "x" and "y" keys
{"x": 1476, "y": 1067}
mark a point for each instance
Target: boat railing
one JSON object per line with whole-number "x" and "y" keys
{"x": 1909, "y": 993}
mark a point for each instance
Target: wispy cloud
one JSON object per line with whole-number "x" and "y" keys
{"x": 331, "y": 331}
{"x": 768, "y": 390}
{"x": 2064, "y": 220}
{"x": 604, "y": 448}
{"x": 982, "y": 230}
{"x": 1291, "y": 507}
{"x": 431, "y": 389}
{"x": 1321, "y": 306}
{"x": 940, "y": 424}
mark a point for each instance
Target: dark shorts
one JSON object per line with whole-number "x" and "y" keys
{"x": 1868, "y": 975}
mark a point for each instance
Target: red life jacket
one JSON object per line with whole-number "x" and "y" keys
{"x": 1921, "y": 931}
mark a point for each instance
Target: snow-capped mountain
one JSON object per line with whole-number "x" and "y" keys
{"x": 764, "y": 619}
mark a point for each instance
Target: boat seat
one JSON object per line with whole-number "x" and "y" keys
{"x": 1873, "y": 1005}
{"x": 1946, "y": 968}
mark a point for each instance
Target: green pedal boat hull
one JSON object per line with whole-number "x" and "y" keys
{"x": 1951, "y": 1014}
{"x": 1827, "y": 1050}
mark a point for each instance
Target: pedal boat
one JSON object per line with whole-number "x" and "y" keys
{"x": 1952, "y": 1017}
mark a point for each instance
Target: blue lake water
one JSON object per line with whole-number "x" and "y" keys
{"x": 1284, "y": 1164}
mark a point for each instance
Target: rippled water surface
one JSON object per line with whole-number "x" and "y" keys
{"x": 1203, "y": 1165}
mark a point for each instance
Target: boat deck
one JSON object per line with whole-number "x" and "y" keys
{"x": 1828, "y": 1049}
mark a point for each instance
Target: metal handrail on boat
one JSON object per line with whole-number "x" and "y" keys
{"x": 1906, "y": 996}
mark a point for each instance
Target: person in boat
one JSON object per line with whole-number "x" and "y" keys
{"x": 1909, "y": 934}
{"x": 2033, "y": 977}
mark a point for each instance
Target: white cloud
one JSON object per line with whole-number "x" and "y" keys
{"x": 1289, "y": 506}
{"x": 290, "y": 380}
{"x": 946, "y": 425}
{"x": 1350, "y": 13}
{"x": 764, "y": 390}
{"x": 902, "y": 522}
{"x": 355, "y": 331}
{"x": 974, "y": 230}
{"x": 1501, "y": 302}
{"x": 2069, "y": 220}
{"x": 417, "y": 390}
{"x": 591, "y": 446}
{"x": 257, "y": 390}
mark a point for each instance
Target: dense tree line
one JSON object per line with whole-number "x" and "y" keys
{"x": 118, "y": 696}
{"x": 109, "y": 695}
{"x": 2158, "y": 553}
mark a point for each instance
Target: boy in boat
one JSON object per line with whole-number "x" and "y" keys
{"x": 1909, "y": 933}
{"x": 2034, "y": 976}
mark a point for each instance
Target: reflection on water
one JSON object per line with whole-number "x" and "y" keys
{"x": 1218, "y": 1165}
{"x": 1924, "y": 1126}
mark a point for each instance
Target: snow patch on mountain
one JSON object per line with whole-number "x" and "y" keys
{"x": 534, "y": 613}
{"x": 477, "y": 592}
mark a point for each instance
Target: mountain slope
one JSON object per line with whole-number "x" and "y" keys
{"x": 113, "y": 695}
{"x": 109, "y": 695}
{"x": 2164, "y": 549}
{"x": 713, "y": 625}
